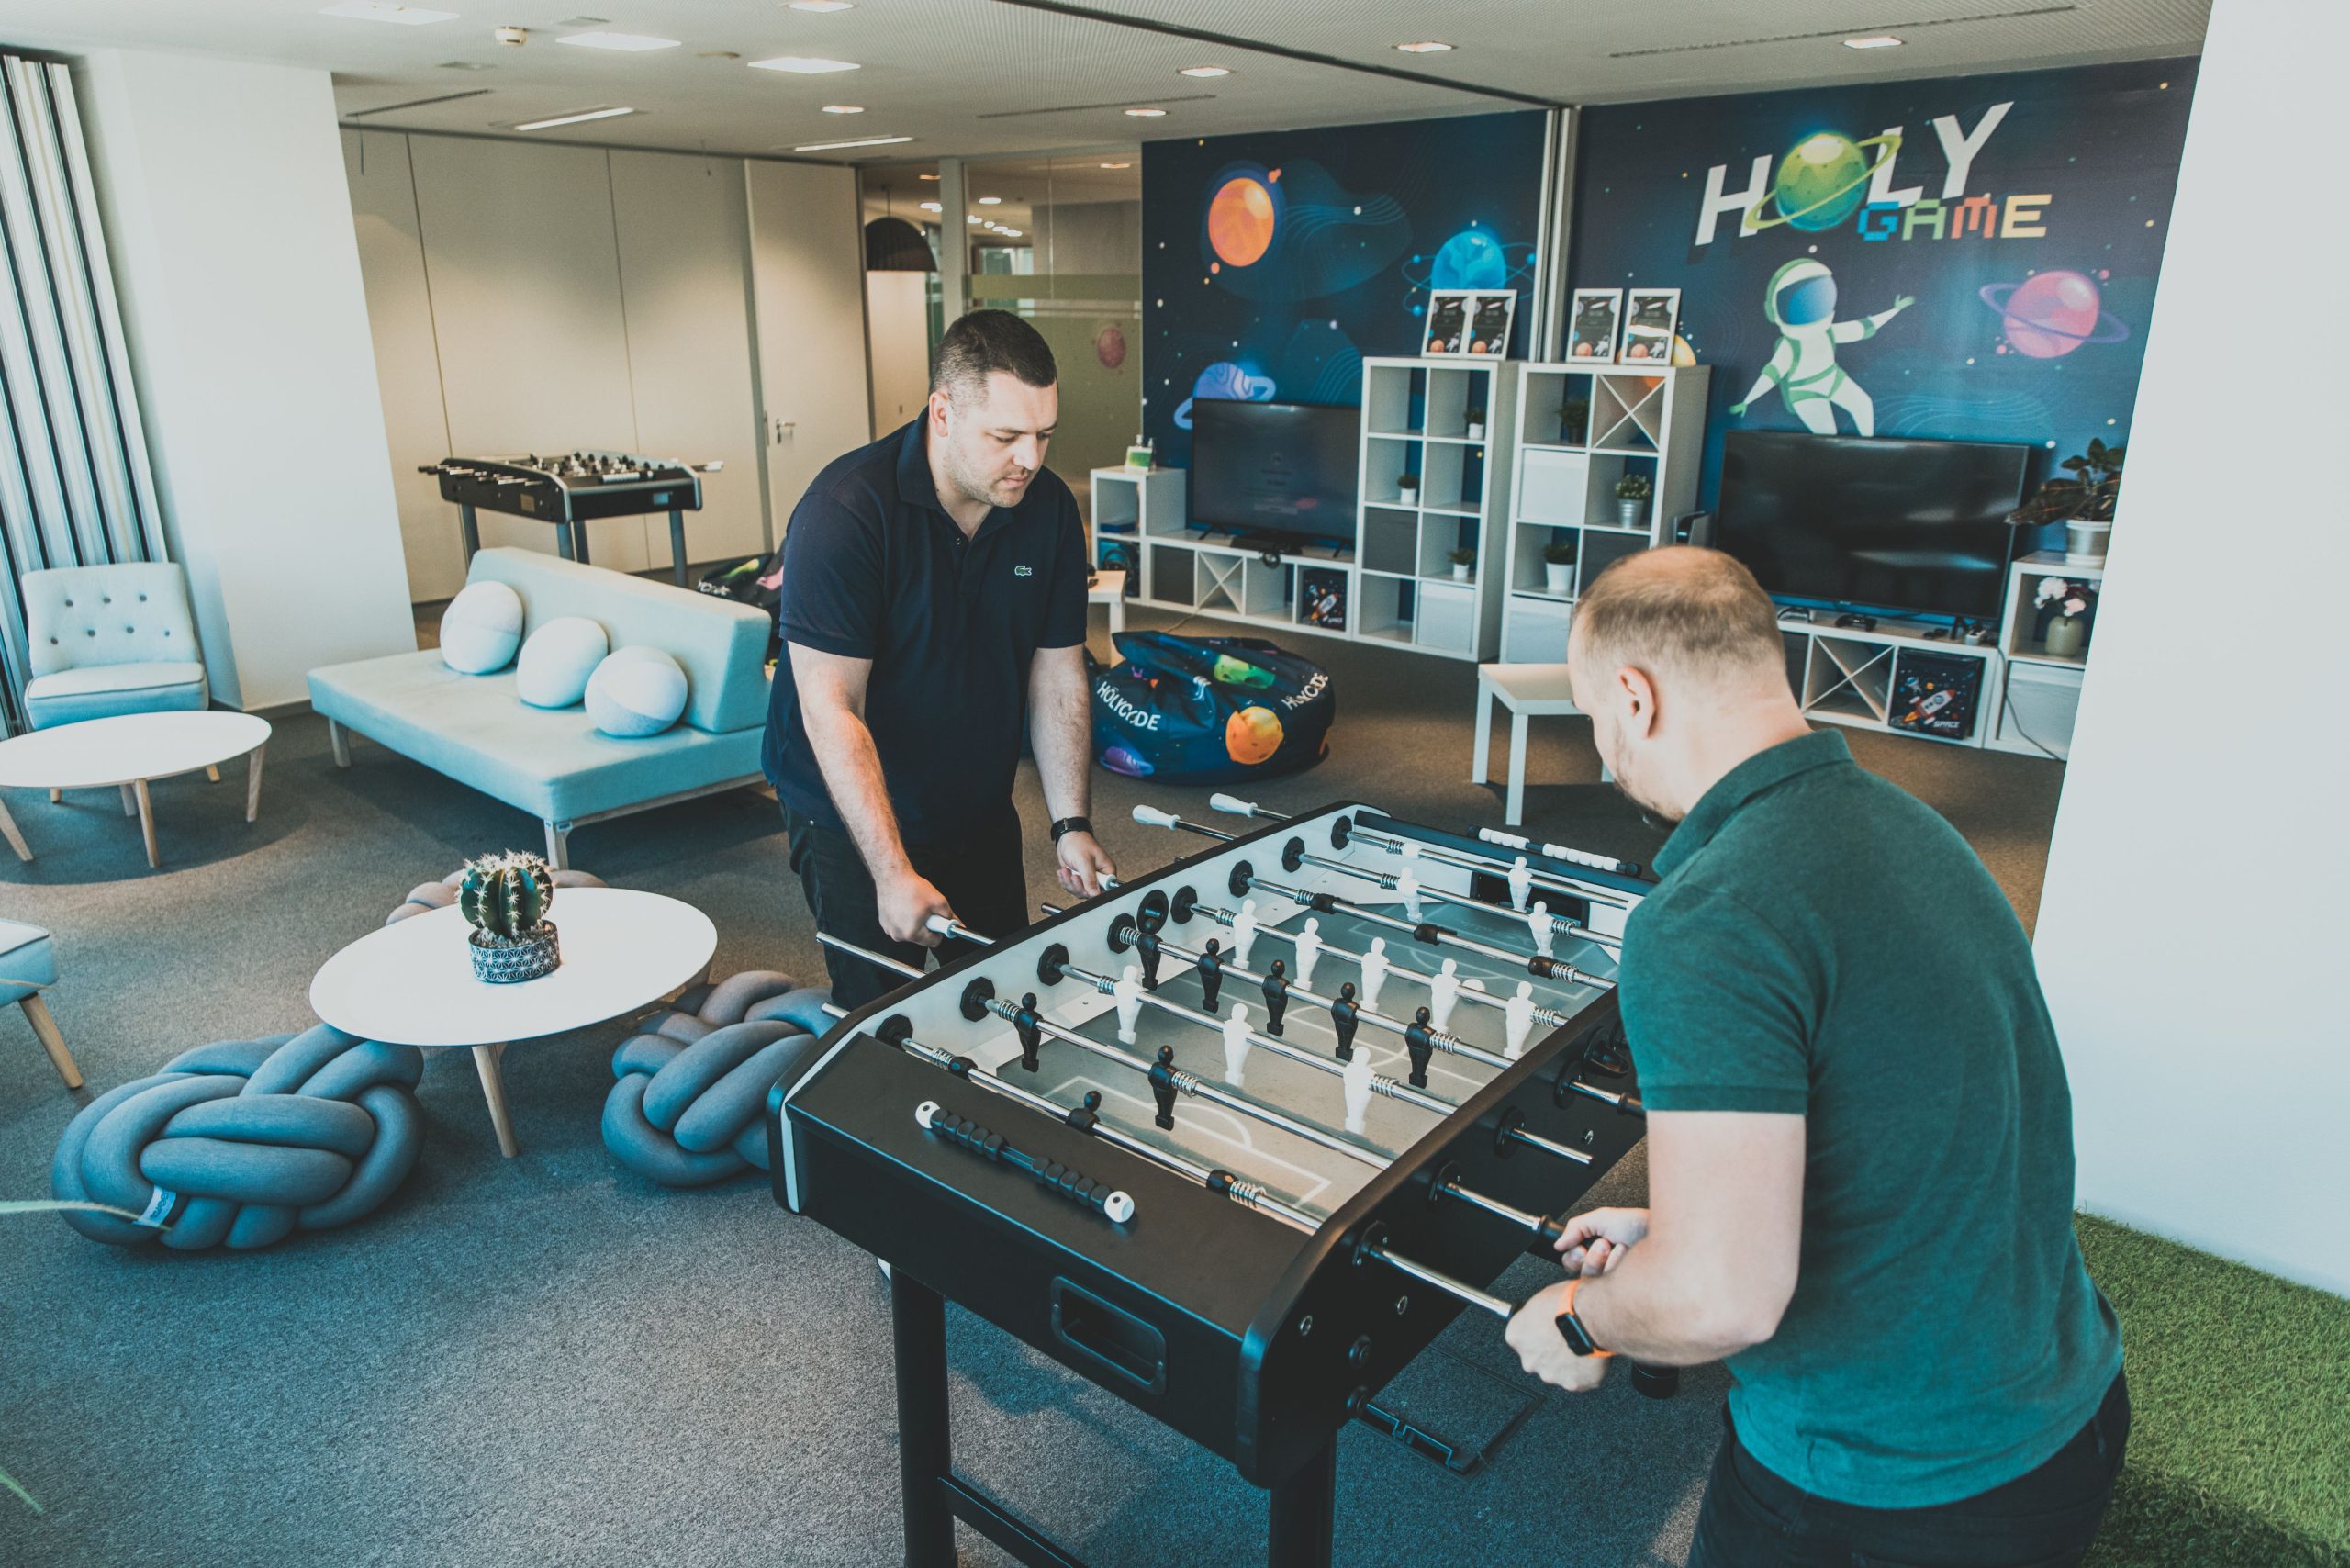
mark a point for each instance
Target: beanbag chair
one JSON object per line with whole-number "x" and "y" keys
{"x": 1209, "y": 710}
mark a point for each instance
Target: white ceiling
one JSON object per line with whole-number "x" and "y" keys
{"x": 979, "y": 77}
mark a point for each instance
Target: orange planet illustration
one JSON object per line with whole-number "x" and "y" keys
{"x": 1240, "y": 221}
{"x": 1253, "y": 734}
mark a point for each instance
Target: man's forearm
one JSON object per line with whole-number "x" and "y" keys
{"x": 852, "y": 772}
{"x": 1061, "y": 723}
{"x": 1658, "y": 1308}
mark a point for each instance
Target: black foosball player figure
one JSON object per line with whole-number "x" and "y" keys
{"x": 1212, "y": 971}
{"x": 1343, "y": 1016}
{"x": 1276, "y": 987}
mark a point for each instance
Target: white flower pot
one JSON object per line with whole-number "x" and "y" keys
{"x": 1633, "y": 513}
{"x": 1408, "y": 494}
{"x": 2085, "y": 541}
{"x": 1460, "y": 573}
{"x": 1476, "y": 429}
{"x": 1554, "y": 575}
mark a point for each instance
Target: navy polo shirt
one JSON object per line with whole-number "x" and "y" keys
{"x": 874, "y": 568}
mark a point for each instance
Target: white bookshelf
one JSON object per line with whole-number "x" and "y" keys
{"x": 1648, "y": 420}
{"x": 2040, "y": 692}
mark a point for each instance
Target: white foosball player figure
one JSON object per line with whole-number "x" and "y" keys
{"x": 1444, "y": 992}
{"x": 1538, "y": 921}
{"x": 1127, "y": 991}
{"x": 1517, "y": 1013}
{"x": 1375, "y": 973}
{"x": 1356, "y": 1081}
{"x": 1409, "y": 886}
{"x": 1236, "y": 1043}
{"x": 1521, "y": 883}
{"x": 1309, "y": 949}
{"x": 1244, "y": 932}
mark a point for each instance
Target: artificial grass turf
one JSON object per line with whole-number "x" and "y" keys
{"x": 2240, "y": 1399}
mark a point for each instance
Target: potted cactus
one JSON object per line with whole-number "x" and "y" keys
{"x": 1558, "y": 560}
{"x": 1407, "y": 488}
{"x": 1632, "y": 499}
{"x": 505, "y": 898}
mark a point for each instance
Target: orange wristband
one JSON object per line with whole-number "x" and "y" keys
{"x": 1567, "y": 1305}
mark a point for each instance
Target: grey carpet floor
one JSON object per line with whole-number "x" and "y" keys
{"x": 547, "y": 1360}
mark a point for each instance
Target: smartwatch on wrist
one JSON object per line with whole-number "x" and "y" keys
{"x": 1570, "y": 1328}
{"x": 1070, "y": 824}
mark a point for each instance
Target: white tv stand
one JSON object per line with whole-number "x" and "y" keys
{"x": 1845, "y": 675}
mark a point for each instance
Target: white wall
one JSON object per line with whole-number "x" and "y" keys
{"x": 228, "y": 216}
{"x": 2195, "y": 921}
{"x": 896, "y": 313}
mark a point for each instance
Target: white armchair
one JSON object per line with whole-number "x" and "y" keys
{"x": 110, "y": 639}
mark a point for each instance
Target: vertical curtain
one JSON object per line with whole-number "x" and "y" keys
{"x": 75, "y": 486}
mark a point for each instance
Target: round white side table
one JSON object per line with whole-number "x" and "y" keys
{"x": 131, "y": 750}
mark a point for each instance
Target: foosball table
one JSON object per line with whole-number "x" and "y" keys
{"x": 1233, "y": 1140}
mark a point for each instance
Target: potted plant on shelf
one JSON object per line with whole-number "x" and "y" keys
{"x": 1574, "y": 420}
{"x": 2084, "y": 503}
{"x": 1476, "y": 418}
{"x": 2065, "y": 606}
{"x": 1558, "y": 560}
{"x": 1632, "y": 493}
{"x": 1407, "y": 488}
{"x": 1462, "y": 560}
{"x": 505, "y": 898}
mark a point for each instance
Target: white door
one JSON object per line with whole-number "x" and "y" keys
{"x": 807, "y": 283}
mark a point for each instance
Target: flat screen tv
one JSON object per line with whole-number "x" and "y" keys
{"x": 1872, "y": 523}
{"x": 1284, "y": 472}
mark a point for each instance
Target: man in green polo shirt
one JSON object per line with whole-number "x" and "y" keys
{"x": 1860, "y": 1137}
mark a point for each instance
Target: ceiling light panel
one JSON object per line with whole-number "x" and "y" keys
{"x": 822, "y": 6}
{"x": 843, "y": 108}
{"x": 1876, "y": 40}
{"x": 622, "y": 43}
{"x": 1425, "y": 46}
{"x": 1205, "y": 72}
{"x": 583, "y": 115}
{"x": 802, "y": 65}
{"x": 860, "y": 141}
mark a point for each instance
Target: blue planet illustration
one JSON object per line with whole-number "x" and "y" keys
{"x": 2050, "y": 314}
{"x": 1822, "y": 181}
{"x": 1471, "y": 259}
{"x": 1228, "y": 381}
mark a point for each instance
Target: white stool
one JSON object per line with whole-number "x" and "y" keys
{"x": 1110, "y": 589}
{"x": 1525, "y": 690}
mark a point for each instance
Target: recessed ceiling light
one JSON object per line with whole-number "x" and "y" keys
{"x": 1876, "y": 40}
{"x": 1117, "y": 165}
{"x": 843, "y": 108}
{"x": 1425, "y": 46}
{"x": 990, "y": 201}
{"x": 1012, "y": 233}
{"x": 801, "y": 65}
{"x": 572, "y": 119}
{"x": 384, "y": 11}
{"x": 970, "y": 218}
{"x": 862, "y": 141}
{"x": 932, "y": 207}
{"x": 930, "y": 177}
{"x": 625, "y": 43}
{"x": 823, "y": 4}
{"x": 1205, "y": 72}
{"x": 1147, "y": 113}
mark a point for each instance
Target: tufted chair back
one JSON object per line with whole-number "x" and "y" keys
{"x": 83, "y": 617}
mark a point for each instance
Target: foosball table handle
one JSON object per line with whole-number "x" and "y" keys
{"x": 1051, "y": 1175}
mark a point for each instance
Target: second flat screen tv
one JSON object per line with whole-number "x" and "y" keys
{"x": 1916, "y": 526}
{"x": 1285, "y": 471}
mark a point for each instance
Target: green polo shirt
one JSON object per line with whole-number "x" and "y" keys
{"x": 1825, "y": 946}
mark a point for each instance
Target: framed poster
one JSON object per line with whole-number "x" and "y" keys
{"x": 1591, "y": 326}
{"x": 1471, "y": 321}
{"x": 1650, "y": 318}
{"x": 1489, "y": 319}
{"x": 1449, "y": 319}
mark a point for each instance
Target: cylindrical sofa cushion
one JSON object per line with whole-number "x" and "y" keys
{"x": 557, "y": 659}
{"x": 689, "y": 1106}
{"x": 253, "y": 1139}
{"x": 636, "y": 693}
{"x": 481, "y": 629}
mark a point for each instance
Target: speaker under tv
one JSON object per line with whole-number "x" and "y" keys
{"x": 1887, "y": 525}
{"x": 1281, "y": 474}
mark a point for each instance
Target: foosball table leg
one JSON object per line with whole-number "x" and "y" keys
{"x": 918, "y": 1317}
{"x": 1302, "y": 1513}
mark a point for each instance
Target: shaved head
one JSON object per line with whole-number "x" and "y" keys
{"x": 1676, "y": 655}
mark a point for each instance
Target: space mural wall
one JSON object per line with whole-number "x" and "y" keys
{"x": 1272, "y": 265}
{"x": 1967, "y": 259}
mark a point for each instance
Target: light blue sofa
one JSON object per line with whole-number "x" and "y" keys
{"x": 110, "y": 639}
{"x": 554, "y": 763}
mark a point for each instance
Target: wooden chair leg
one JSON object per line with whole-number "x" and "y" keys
{"x": 55, "y": 796}
{"x": 15, "y": 840}
{"x": 213, "y": 773}
{"x": 45, "y": 1029}
{"x": 340, "y": 742}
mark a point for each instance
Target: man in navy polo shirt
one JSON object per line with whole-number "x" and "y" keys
{"x": 934, "y": 601}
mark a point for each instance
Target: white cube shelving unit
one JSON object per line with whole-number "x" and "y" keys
{"x": 1640, "y": 420}
{"x": 2042, "y": 690}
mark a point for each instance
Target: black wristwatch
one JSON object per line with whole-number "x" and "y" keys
{"x": 1070, "y": 824}
{"x": 1570, "y": 1328}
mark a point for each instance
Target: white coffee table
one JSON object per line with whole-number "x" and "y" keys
{"x": 411, "y": 983}
{"x": 132, "y": 751}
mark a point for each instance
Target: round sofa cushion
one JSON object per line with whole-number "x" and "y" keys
{"x": 481, "y": 629}
{"x": 636, "y": 693}
{"x": 557, "y": 659}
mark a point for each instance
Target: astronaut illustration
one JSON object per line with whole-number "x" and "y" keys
{"x": 1801, "y": 303}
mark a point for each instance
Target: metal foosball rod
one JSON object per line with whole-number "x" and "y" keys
{"x": 1466, "y": 859}
{"x": 1166, "y": 1079}
{"x": 1392, "y": 881}
{"x": 1437, "y": 936}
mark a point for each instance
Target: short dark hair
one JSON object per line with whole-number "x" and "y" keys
{"x": 1697, "y": 611}
{"x": 985, "y": 342}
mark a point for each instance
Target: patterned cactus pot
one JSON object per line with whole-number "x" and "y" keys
{"x": 503, "y": 960}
